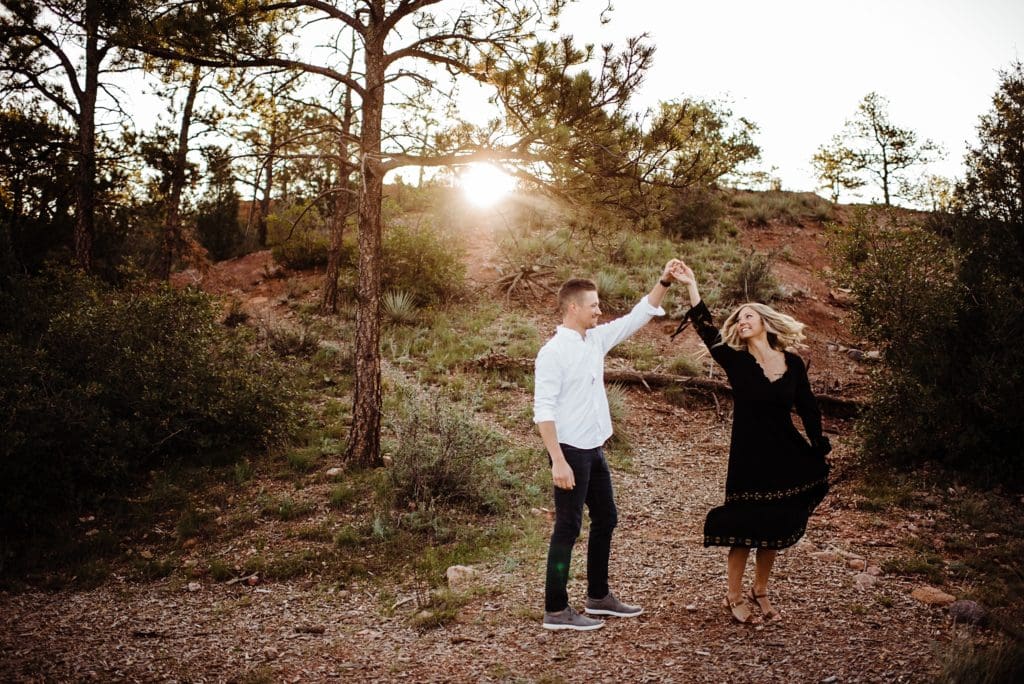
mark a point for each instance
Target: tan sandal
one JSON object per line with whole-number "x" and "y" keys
{"x": 770, "y": 614}
{"x": 740, "y": 611}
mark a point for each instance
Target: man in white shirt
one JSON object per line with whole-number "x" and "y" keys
{"x": 570, "y": 408}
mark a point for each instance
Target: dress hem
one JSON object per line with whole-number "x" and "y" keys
{"x": 752, "y": 543}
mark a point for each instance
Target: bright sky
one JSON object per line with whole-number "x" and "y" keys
{"x": 798, "y": 68}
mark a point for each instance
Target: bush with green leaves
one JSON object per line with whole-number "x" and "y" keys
{"x": 946, "y": 301}
{"x": 398, "y": 306}
{"x": 423, "y": 261}
{"x": 751, "y": 280}
{"x": 443, "y": 457}
{"x": 216, "y": 217}
{"x": 99, "y": 384}
{"x": 905, "y": 283}
{"x": 692, "y": 214}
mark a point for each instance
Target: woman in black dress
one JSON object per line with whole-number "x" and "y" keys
{"x": 775, "y": 478}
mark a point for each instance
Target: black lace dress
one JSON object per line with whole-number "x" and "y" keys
{"x": 775, "y": 478}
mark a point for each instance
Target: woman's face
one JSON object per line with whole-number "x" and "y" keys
{"x": 749, "y": 324}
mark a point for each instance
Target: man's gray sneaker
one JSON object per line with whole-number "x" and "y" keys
{"x": 570, "y": 619}
{"x": 610, "y": 605}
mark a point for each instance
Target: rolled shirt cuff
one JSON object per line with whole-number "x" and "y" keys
{"x": 648, "y": 308}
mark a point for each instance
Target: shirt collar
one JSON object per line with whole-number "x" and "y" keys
{"x": 570, "y": 333}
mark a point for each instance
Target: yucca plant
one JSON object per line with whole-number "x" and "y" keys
{"x": 399, "y": 306}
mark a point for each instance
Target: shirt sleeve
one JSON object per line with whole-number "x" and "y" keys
{"x": 611, "y": 333}
{"x": 700, "y": 315}
{"x": 547, "y": 384}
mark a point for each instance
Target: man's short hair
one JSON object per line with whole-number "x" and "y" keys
{"x": 572, "y": 289}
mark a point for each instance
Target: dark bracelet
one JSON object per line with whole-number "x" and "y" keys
{"x": 665, "y": 283}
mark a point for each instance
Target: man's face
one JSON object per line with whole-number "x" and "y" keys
{"x": 586, "y": 310}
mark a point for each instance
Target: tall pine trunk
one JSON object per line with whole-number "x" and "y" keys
{"x": 342, "y": 202}
{"x": 172, "y": 215}
{"x": 268, "y": 188}
{"x": 85, "y": 190}
{"x": 364, "y": 439}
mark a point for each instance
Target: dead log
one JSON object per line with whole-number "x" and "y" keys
{"x": 830, "y": 404}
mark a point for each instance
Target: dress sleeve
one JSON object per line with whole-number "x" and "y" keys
{"x": 807, "y": 405}
{"x": 700, "y": 316}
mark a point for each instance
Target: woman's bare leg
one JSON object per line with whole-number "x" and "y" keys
{"x": 737, "y": 564}
{"x": 734, "y": 601}
{"x": 762, "y": 570}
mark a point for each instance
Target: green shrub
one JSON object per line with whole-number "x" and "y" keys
{"x": 425, "y": 263}
{"x": 614, "y": 289}
{"x": 693, "y": 214}
{"x": 342, "y": 495}
{"x": 216, "y": 217}
{"x": 221, "y": 570}
{"x": 684, "y": 364}
{"x": 349, "y": 535}
{"x": 99, "y": 384}
{"x": 442, "y": 608}
{"x": 752, "y": 280}
{"x": 285, "y": 508}
{"x": 303, "y": 251}
{"x": 906, "y": 289}
{"x": 303, "y": 460}
{"x": 618, "y": 405}
{"x": 642, "y": 251}
{"x": 546, "y": 248}
{"x": 443, "y": 457}
{"x": 192, "y": 522}
{"x": 288, "y": 341}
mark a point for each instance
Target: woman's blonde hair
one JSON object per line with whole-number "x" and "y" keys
{"x": 784, "y": 331}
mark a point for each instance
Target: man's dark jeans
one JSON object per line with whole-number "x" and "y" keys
{"x": 593, "y": 488}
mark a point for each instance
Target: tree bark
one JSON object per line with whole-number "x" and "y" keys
{"x": 172, "y": 215}
{"x": 364, "y": 439}
{"x": 341, "y": 205}
{"x": 268, "y": 188}
{"x": 85, "y": 207}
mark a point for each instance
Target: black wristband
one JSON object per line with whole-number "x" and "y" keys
{"x": 665, "y": 283}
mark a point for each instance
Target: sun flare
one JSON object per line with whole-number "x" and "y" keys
{"x": 484, "y": 184}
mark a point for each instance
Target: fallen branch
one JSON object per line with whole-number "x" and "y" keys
{"x": 236, "y": 580}
{"x": 830, "y": 404}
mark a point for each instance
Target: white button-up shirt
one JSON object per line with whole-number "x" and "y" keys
{"x": 568, "y": 385}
